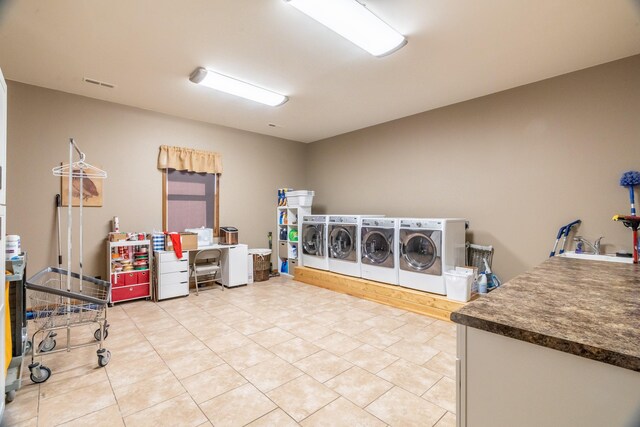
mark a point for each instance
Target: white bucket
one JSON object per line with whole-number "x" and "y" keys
{"x": 13, "y": 246}
{"x": 458, "y": 285}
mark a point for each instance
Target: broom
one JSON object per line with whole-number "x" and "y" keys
{"x": 630, "y": 179}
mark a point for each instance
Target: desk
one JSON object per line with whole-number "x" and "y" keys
{"x": 172, "y": 274}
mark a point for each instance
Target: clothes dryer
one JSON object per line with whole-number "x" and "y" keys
{"x": 428, "y": 248}
{"x": 379, "y": 250}
{"x": 343, "y": 240}
{"x": 314, "y": 242}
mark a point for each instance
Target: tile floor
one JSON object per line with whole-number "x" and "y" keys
{"x": 276, "y": 353}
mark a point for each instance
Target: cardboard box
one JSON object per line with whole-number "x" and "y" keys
{"x": 116, "y": 237}
{"x": 189, "y": 242}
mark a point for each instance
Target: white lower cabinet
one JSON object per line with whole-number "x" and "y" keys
{"x": 172, "y": 275}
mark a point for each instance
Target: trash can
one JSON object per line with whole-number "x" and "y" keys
{"x": 261, "y": 264}
{"x": 458, "y": 285}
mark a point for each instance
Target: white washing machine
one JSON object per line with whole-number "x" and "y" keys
{"x": 428, "y": 248}
{"x": 379, "y": 250}
{"x": 314, "y": 242}
{"x": 343, "y": 243}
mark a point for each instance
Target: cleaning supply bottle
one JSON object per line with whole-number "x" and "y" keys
{"x": 482, "y": 283}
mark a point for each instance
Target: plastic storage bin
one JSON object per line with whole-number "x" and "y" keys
{"x": 458, "y": 285}
{"x": 300, "y": 198}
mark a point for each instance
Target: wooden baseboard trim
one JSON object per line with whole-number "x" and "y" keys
{"x": 432, "y": 305}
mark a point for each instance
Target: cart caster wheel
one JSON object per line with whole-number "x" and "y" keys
{"x": 39, "y": 373}
{"x": 10, "y": 396}
{"x": 47, "y": 345}
{"x": 104, "y": 357}
{"x": 97, "y": 334}
{"x": 28, "y": 347}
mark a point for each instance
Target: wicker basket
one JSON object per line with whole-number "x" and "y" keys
{"x": 261, "y": 266}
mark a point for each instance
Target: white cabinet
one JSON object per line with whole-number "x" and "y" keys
{"x": 288, "y": 250}
{"x": 172, "y": 274}
{"x": 234, "y": 265}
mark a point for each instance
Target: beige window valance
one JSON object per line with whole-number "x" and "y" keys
{"x": 180, "y": 158}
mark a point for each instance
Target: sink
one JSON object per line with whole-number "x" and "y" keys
{"x": 592, "y": 257}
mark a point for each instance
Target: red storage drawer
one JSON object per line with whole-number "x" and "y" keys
{"x": 117, "y": 279}
{"x": 142, "y": 276}
{"x": 130, "y": 278}
{"x": 129, "y": 292}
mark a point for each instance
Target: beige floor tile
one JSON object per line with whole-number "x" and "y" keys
{"x": 230, "y": 314}
{"x": 179, "y": 347}
{"x": 272, "y": 336}
{"x": 342, "y": 413}
{"x": 359, "y": 386}
{"x": 178, "y": 332}
{"x": 246, "y": 356}
{"x": 416, "y": 319}
{"x": 378, "y": 338}
{"x": 275, "y": 418}
{"x": 227, "y": 342}
{"x": 212, "y": 382}
{"x": 23, "y": 408}
{"x": 204, "y": 330}
{"x": 358, "y": 315}
{"x": 126, "y": 372}
{"x": 189, "y": 364}
{"x": 252, "y": 326}
{"x": 32, "y": 422}
{"x": 398, "y": 407}
{"x": 338, "y": 343}
{"x": 107, "y": 417}
{"x": 389, "y": 311}
{"x": 370, "y": 358}
{"x": 179, "y": 411}
{"x": 73, "y": 379}
{"x": 312, "y": 332}
{"x": 410, "y": 377}
{"x": 350, "y": 327}
{"x": 413, "y": 352}
{"x": 384, "y": 323}
{"x": 443, "y": 342}
{"x": 237, "y": 407}
{"x": 415, "y": 333}
{"x": 443, "y": 363}
{"x": 445, "y": 327}
{"x": 295, "y": 349}
{"x": 443, "y": 394}
{"x": 323, "y": 365}
{"x": 125, "y": 351}
{"x": 271, "y": 373}
{"x": 143, "y": 394}
{"x": 326, "y": 317}
{"x": 68, "y": 406}
{"x": 449, "y": 420}
{"x": 156, "y": 324}
{"x": 302, "y": 397}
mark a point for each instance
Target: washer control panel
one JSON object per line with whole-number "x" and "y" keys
{"x": 378, "y": 222}
{"x": 429, "y": 224}
{"x": 343, "y": 219}
{"x": 314, "y": 218}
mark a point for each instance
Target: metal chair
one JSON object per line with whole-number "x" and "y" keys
{"x": 206, "y": 263}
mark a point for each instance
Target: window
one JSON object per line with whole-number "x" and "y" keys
{"x": 190, "y": 200}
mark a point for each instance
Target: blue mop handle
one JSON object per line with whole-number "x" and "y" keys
{"x": 632, "y": 200}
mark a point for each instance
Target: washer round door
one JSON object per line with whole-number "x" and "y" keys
{"x": 377, "y": 248}
{"x": 421, "y": 253}
{"x": 312, "y": 236}
{"x": 342, "y": 244}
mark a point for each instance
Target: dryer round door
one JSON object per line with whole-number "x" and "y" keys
{"x": 376, "y": 248}
{"x": 312, "y": 240}
{"x": 420, "y": 252}
{"x": 342, "y": 244}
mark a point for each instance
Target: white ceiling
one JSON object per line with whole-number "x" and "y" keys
{"x": 457, "y": 50}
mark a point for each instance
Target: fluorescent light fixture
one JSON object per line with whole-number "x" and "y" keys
{"x": 354, "y": 22}
{"x": 236, "y": 87}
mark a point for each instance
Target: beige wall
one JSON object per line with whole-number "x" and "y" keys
{"x": 518, "y": 164}
{"x": 124, "y": 141}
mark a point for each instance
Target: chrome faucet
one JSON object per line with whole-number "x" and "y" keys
{"x": 595, "y": 246}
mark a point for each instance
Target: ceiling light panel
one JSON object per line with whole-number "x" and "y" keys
{"x": 217, "y": 81}
{"x": 354, "y": 22}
